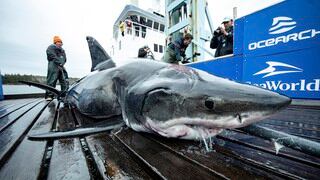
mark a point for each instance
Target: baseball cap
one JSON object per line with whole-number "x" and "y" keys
{"x": 226, "y": 19}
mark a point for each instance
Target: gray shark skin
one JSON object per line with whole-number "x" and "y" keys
{"x": 169, "y": 100}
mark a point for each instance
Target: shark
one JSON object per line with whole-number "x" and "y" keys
{"x": 173, "y": 101}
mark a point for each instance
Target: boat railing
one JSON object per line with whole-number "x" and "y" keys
{"x": 136, "y": 28}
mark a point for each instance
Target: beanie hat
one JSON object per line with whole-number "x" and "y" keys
{"x": 56, "y": 39}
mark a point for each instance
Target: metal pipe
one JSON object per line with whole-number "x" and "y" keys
{"x": 209, "y": 19}
{"x": 294, "y": 142}
{"x": 235, "y": 13}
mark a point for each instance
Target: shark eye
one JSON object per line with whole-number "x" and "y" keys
{"x": 209, "y": 104}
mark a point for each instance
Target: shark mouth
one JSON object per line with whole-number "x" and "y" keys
{"x": 186, "y": 131}
{"x": 197, "y": 128}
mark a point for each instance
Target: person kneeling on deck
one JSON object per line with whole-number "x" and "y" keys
{"x": 56, "y": 59}
{"x": 222, "y": 39}
{"x": 175, "y": 51}
{"x": 145, "y": 52}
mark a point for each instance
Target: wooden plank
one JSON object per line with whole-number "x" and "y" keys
{"x": 313, "y": 106}
{"x": 300, "y": 129}
{"x": 12, "y": 102}
{"x": 162, "y": 160}
{"x": 109, "y": 158}
{"x": 298, "y": 118}
{"x": 298, "y": 125}
{"x": 26, "y": 160}
{"x": 20, "y": 96}
{"x": 267, "y": 146}
{"x": 112, "y": 161}
{"x": 311, "y": 135}
{"x": 12, "y": 136}
{"x": 5, "y": 106}
{"x": 8, "y": 120}
{"x": 299, "y": 110}
{"x": 275, "y": 164}
{"x": 67, "y": 160}
{"x": 228, "y": 166}
{"x": 299, "y": 115}
{"x": 15, "y": 107}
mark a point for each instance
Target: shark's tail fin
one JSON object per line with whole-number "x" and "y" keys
{"x": 42, "y": 86}
{"x": 100, "y": 58}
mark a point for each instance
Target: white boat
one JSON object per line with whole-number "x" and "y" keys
{"x": 147, "y": 29}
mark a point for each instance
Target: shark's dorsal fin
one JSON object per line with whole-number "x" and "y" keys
{"x": 100, "y": 58}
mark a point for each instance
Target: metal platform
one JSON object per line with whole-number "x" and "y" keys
{"x": 130, "y": 155}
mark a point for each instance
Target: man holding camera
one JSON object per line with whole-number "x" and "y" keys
{"x": 143, "y": 52}
{"x": 222, "y": 39}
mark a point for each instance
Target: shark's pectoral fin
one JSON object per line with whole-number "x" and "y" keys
{"x": 42, "y": 86}
{"x": 73, "y": 133}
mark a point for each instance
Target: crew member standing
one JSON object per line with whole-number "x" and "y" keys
{"x": 122, "y": 27}
{"x": 56, "y": 60}
{"x": 129, "y": 26}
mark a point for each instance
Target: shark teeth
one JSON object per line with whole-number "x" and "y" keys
{"x": 239, "y": 118}
{"x": 182, "y": 131}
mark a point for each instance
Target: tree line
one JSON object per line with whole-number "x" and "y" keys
{"x": 15, "y": 78}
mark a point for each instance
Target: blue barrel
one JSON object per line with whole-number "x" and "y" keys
{"x": 1, "y": 90}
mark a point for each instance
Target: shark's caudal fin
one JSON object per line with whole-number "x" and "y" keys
{"x": 42, "y": 86}
{"x": 74, "y": 132}
{"x": 100, "y": 58}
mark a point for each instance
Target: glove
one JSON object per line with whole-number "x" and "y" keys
{"x": 185, "y": 60}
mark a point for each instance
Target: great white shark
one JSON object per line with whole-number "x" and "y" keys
{"x": 173, "y": 101}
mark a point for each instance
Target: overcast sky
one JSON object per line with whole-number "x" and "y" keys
{"x": 27, "y": 28}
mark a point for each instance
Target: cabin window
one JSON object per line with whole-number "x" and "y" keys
{"x": 143, "y": 20}
{"x": 155, "y": 47}
{"x": 119, "y": 45}
{"x": 149, "y": 23}
{"x": 160, "y": 49}
{"x": 143, "y": 23}
{"x": 136, "y": 30}
{"x": 134, "y": 18}
{"x": 156, "y": 25}
{"x": 175, "y": 17}
{"x": 162, "y": 27}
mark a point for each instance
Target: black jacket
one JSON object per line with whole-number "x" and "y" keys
{"x": 56, "y": 55}
{"x": 142, "y": 53}
{"x": 223, "y": 44}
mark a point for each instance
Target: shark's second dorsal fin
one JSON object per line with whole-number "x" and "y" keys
{"x": 100, "y": 58}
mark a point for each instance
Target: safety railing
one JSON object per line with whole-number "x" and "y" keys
{"x": 136, "y": 28}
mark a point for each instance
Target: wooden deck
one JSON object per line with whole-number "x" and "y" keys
{"x": 130, "y": 155}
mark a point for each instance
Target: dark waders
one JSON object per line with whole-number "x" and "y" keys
{"x": 57, "y": 73}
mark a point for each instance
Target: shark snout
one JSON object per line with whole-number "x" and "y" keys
{"x": 265, "y": 100}
{"x": 279, "y": 102}
{"x": 245, "y": 98}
